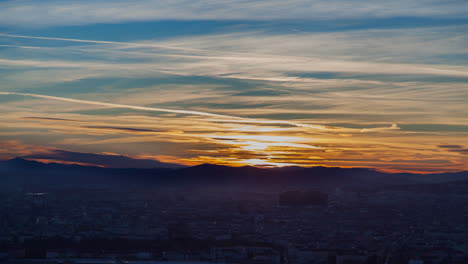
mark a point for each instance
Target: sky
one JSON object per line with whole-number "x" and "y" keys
{"x": 347, "y": 83}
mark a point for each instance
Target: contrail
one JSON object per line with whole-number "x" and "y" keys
{"x": 155, "y": 109}
{"x": 102, "y": 42}
{"x": 147, "y": 45}
{"x": 416, "y": 68}
{"x": 133, "y": 44}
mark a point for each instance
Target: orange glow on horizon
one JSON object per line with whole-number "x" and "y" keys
{"x": 47, "y": 161}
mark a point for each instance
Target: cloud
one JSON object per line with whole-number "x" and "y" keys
{"x": 15, "y": 148}
{"x": 258, "y": 56}
{"x": 128, "y": 129}
{"x": 380, "y": 129}
{"x": 105, "y": 160}
{"x": 155, "y": 109}
{"x": 49, "y": 13}
{"x": 461, "y": 151}
{"x": 338, "y": 82}
{"x": 50, "y": 119}
{"x": 451, "y": 146}
{"x": 455, "y": 149}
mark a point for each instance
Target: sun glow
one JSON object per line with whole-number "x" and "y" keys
{"x": 256, "y": 146}
{"x": 262, "y": 138}
{"x": 265, "y": 163}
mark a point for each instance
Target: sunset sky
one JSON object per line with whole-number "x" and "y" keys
{"x": 378, "y": 84}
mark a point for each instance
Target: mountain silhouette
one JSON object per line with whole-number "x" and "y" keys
{"x": 20, "y": 171}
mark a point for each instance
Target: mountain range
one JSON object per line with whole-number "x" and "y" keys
{"x": 18, "y": 171}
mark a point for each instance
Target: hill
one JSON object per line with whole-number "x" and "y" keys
{"x": 17, "y": 172}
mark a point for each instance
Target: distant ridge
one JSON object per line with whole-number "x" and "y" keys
{"x": 20, "y": 162}
{"x": 19, "y": 171}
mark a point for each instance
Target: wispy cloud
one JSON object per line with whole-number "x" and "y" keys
{"x": 32, "y": 13}
{"x": 269, "y": 57}
{"x": 109, "y": 160}
{"x": 15, "y": 148}
{"x": 155, "y": 109}
{"x": 392, "y": 127}
{"x": 367, "y": 97}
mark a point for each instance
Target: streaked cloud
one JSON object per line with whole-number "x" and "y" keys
{"x": 46, "y": 13}
{"x": 254, "y": 83}
{"x": 108, "y": 160}
{"x": 155, "y": 109}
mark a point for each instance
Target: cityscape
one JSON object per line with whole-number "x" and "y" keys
{"x": 161, "y": 222}
{"x": 234, "y": 131}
